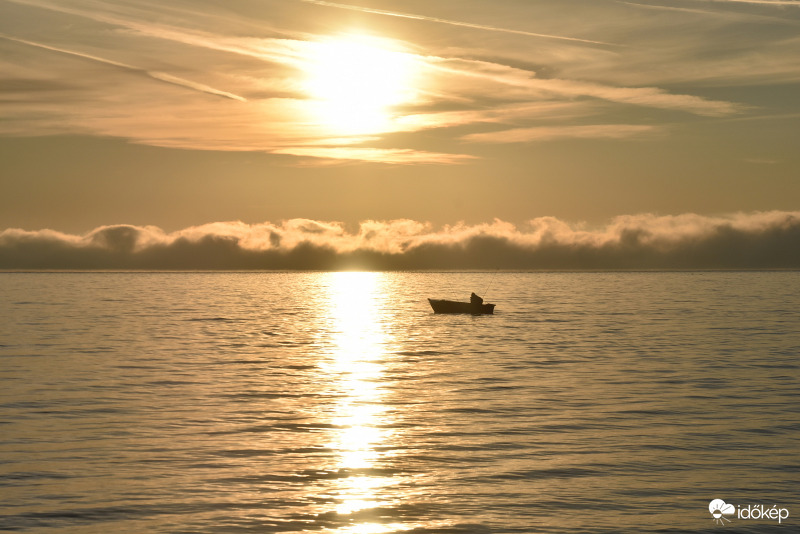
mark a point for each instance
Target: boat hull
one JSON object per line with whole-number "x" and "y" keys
{"x": 452, "y": 306}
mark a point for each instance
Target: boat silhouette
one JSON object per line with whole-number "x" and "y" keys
{"x": 475, "y": 307}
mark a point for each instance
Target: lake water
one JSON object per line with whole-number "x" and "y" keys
{"x": 338, "y": 402}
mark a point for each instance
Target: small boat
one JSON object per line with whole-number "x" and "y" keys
{"x": 454, "y": 306}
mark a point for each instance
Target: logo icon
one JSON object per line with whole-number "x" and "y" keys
{"x": 719, "y": 509}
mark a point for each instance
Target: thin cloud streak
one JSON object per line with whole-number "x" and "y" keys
{"x": 160, "y": 76}
{"x": 713, "y": 13}
{"x": 711, "y": 10}
{"x": 511, "y": 82}
{"x": 462, "y": 24}
{"x": 282, "y": 51}
{"x": 780, "y": 3}
{"x": 707, "y": 12}
{"x": 547, "y": 133}
{"x": 378, "y": 155}
{"x": 759, "y": 240}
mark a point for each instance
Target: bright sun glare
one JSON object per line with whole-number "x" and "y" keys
{"x": 356, "y": 80}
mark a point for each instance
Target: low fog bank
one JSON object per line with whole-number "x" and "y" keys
{"x": 762, "y": 240}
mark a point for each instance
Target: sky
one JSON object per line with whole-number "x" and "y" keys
{"x": 542, "y": 133}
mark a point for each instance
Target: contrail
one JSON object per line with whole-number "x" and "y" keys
{"x": 160, "y": 76}
{"x": 451, "y": 22}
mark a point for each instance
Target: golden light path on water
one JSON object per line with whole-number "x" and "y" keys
{"x": 360, "y": 418}
{"x": 339, "y": 403}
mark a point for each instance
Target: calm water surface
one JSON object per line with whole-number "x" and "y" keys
{"x": 338, "y": 402}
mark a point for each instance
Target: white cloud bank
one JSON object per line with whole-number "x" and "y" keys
{"x": 761, "y": 240}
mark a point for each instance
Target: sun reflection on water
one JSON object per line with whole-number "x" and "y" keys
{"x": 360, "y": 419}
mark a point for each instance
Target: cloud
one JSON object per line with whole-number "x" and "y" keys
{"x": 471, "y": 78}
{"x": 779, "y": 3}
{"x": 544, "y": 109}
{"x": 641, "y": 96}
{"x": 451, "y": 22}
{"x": 546, "y": 133}
{"x": 160, "y": 76}
{"x": 698, "y": 45}
{"x": 155, "y": 71}
{"x": 761, "y": 240}
{"x": 716, "y": 13}
{"x": 379, "y": 155}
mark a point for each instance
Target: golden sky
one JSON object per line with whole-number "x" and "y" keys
{"x": 185, "y": 113}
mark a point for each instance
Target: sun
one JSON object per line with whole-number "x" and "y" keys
{"x": 355, "y": 81}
